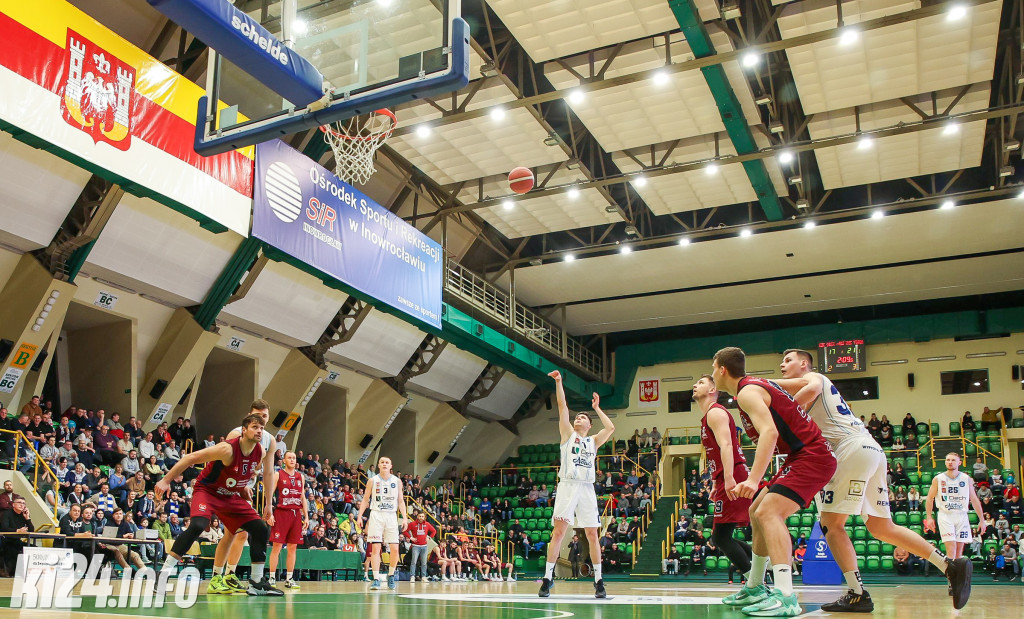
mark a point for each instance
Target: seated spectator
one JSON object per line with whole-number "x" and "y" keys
{"x": 990, "y": 419}
{"x": 967, "y": 422}
{"x": 885, "y": 433}
{"x": 1014, "y": 508}
{"x": 1002, "y": 526}
{"x": 209, "y": 442}
{"x": 7, "y": 498}
{"x": 909, "y": 425}
{"x": 910, "y": 443}
{"x": 1010, "y": 566}
{"x": 655, "y": 437}
{"x": 873, "y": 425}
{"x": 106, "y": 447}
{"x": 900, "y": 504}
{"x": 914, "y": 499}
{"x": 899, "y": 476}
{"x": 153, "y": 471}
{"x": 50, "y": 451}
{"x": 543, "y": 496}
{"x": 798, "y": 557}
{"x": 85, "y": 448}
{"x": 905, "y": 562}
{"x": 897, "y": 444}
{"x": 214, "y": 534}
{"x": 171, "y": 454}
{"x": 980, "y": 470}
{"x": 14, "y": 519}
{"x": 670, "y": 564}
{"x": 67, "y": 451}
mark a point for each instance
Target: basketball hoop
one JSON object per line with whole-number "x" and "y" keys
{"x": 354, "y": 141}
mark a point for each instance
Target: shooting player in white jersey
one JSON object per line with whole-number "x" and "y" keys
{"x": 575, "y": 499}
{"x": 384, "y": 495}
{"x": 952, "y": 490}
{"x": 859, "y": 486}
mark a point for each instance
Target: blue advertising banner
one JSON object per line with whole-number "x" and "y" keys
{"x": 307, "y": 212}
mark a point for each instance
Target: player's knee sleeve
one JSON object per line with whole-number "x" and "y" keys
{"x": 196, "y": 526}
{"x": 722, "y": 534}
{"x": 259, "y": 535}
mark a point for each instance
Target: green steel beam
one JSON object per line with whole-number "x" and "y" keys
{"x": 728, "y": 106}
{"x": 228, "y": 281}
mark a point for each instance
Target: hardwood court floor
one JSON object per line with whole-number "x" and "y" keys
{"x": 627, "y": 599}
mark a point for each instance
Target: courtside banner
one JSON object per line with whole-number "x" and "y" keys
{"x": 100, "y": 101}
{"x": 306, "y": 211}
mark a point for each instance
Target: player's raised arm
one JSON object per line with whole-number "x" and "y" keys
{"x": 751, "y": 401}
{"x": 719, "y": 425}
{"x": 607, "y": 429}
{"x": 564, "y": 425}
{"x": 805, "y": 389}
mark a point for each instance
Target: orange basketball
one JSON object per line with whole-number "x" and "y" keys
{"x": 520, "y": 180}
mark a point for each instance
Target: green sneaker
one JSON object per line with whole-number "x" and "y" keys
{"x": 236, "y": 586}
{"x": 775, "y": 605}
{"x": 217, "y": 586}
{"x": 746, "y": 596}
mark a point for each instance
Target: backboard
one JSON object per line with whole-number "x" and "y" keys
{"x": 372, "y": 54}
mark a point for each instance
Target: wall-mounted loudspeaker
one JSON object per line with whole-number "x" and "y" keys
{"x": 433, "y": 456}
{"x": 910, "y": 380}
{"x": 6, "y": 346}
{"x": 158, "y": 389}
{"x": 279, "y": 420}
{"x": 184, "y": 396}
{"x": 1015, "y": 372}
{"x": 38, "y": 363}
{"x": 366, "y": 440}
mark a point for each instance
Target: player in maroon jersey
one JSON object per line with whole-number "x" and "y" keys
{"x": 773, "y": 419}
{"x": 727, "y": 467}
{"x": 291, "y": 517}
{"x": 229, "y": 467}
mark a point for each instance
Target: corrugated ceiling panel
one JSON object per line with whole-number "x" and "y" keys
{"x": 381, "y": 346}
{"x": 452, "y": 374}
{"x": 503, "y": 402}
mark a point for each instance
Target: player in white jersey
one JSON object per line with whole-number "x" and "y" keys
{"x": 384, "y": 495}
{"x": 575, "y": 499}
{"x": 952, "y": 491}
{"x": 231, "y": 549}
{"x": 859, "y": 487}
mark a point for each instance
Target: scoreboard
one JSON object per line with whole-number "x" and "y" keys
{"x": 842, "y": 356}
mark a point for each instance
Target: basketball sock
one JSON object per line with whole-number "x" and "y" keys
{"x": 854, "y": 581}
{"x": 597, "y": 572}
{"x": 218, "y": 571}
{"x": 757, "y": 566}
{"x": 938, "y": 559}
{"x": 232, "y": 568}
{"x": 391, "y": 570}
{"x": 288, "y": 575}
{"x": 783, "y": 579}
{"x": 257, "y": 572}
{"x": 170, "y": 562}
{"x": 549, "y": 571}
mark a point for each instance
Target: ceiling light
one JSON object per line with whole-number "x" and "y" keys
{"x": 300, "y": 27}
{"x": 661, "y": 77}
{"x": 640, "y": 181}
{"x": 551, "y": 140}
{"x": 795, "y": 180}
{"x": 631, "y": 230}
{"x": 763, "y": 100}
{"x": 683, "y": 242}
{"x": 1010, "y": 145}
{"x": 877, "y": 214}
{"x": 576, "y": 96}
{"x": 574, "y": 193}
{"x": 498, "y": 113}
{"x": 802, "y": 203}
{"x": 625, "y": 249}
{"x": 508, "y": 204}
{"x": 488, "y": 69}
{"x": 422, "y": 131}
{"x": 849, "y": 36}
{"x": 570, "y": 257}
{"x": 956, "y": 13}
{"x": 776, "y": 127}
{"x": 572, "y": 164}
{"x": 809, "y": 225}
{"x": 865, "y": 142}
{"x": 711, "y": 169}
{"x": 948, "y": 205}
{"x": 785, "y": 156}
{"x": 751, "y": 59}
{"x": 746, "y": 232}
{"x": 1006, "y": 170}
{"x": 951, "y": 128}
{"x": 1020, "y": 196}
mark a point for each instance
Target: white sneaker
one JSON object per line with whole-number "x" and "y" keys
{"x": 512, "y": 578}
{"x": 412, "y": 579}
{"x": 272, "y": 581}
{"x": 445, "y": 579}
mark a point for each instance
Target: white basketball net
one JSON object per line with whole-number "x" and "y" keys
{"x": 354, "y": 141}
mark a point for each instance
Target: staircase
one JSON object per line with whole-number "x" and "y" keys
{"x": 648, "y": 559}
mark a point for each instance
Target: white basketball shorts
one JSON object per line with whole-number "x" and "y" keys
{"x": 859, "y": 485}
{"x": 382, "y": 527}
{"x": 954, "y": 527}
{"x": 576, "y": 503}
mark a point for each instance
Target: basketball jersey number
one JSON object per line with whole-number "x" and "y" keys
{"x": 841, "y": 407}
{"x": 718, "y": 507}
{"x": 827, "y": 496}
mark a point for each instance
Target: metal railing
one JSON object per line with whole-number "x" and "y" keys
{"x": 40, "y": 470}
{"x": 499, "y": 305}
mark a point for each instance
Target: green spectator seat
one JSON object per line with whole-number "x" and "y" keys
{"x": 456, "y": 509}
{"x": 710, "y": 563}
{"x": 740, "y": 535}
{"x": 860, "y": 547}
{"x": 723, "y": 564}
{"x": 914, "y": 477}
{"x": 549, "y": 512}
{"x": 477, "y": 501}
{"x": 805, "y": 533}
{"x": 675, "y": 440}
{"x": 874, "y": 563}
{"x": 1018, "y": 423}
{"x": 926, "y": 477}
{"x": 806, "y": 520}
{"x": 849, "y": 531}
{"x": 970, "y": 450}
{"x": 860, "y": 563}
{"x": 874, "y": 547}
{"x": 794, "y": 531}
{"x": 518, "y": 563}
{"x": 793, "y": 521}
{"x": 860, "y": 533}
{"x": 531, "y": 524}
{"x": 623, "y": 547}
{"x": 680, "y": 547}
{"x": 989, "y": 545}
{"x": 970, "y": 435}
{"x": 915, "y": 518}
{"x": 745, "y": 441}
{"x": 916, "y": 528}
{"x": 926, "y": 451}
{"x": 972, "y": 517}
{"x": 688, "y": 548}
{"x": 529, "y": 512}
{"x": 935, "y": 429}
{"x": 858, "y": 520}
{"x": 516, "y": 510}
{"x": 922, "y": 428}
{"x": 954, "y": 428}
{"x": 694, "y": 440}
{"x": 545, "y": 536}
{"x": 887, "y": 549}
{"x": 502, "y": 535}
{"x": 900, "y": 518}
{"x": 922, "y": 439}
{"x": 894, "y": 462}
